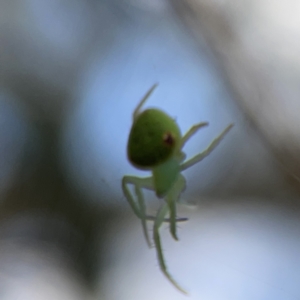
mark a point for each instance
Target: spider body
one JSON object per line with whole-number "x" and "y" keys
{"x": 155, "y": 143}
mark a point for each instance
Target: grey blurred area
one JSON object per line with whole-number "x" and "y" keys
{"x": 255, "y": 45}
{"x": 71, "y": 74}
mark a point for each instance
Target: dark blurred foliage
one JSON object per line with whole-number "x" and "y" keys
{"x": 45, "y": 45}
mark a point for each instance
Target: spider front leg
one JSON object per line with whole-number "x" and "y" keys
{"x": 191, "y": 132}
{"x": 197, "y": 158}
{"x": 143, "y": 100}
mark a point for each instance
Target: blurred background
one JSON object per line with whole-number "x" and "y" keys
{"x": 71, "y": 74}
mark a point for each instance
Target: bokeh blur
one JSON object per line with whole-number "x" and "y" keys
{"x": 71, "y": 74}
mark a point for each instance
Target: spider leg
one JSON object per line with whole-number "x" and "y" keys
{"x": 138, "y": 207}
{"x": 171, "y": 199}
{"x": 167, "y": 220}
{"x": 144, "y": 99}
{"x": 156, "y": 237}
{"x": 197, "y": 158}
{"x": 191, "y": 132}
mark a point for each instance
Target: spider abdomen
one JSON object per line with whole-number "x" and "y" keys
{"x": 153, "y": 138}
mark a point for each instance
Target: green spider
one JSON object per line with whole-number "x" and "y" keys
{"x": 155, "y": 143}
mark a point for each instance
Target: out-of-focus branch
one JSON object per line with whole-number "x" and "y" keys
{"x": 255, "y": 46}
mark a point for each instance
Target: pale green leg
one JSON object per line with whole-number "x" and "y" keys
{"x": 144, "y": 99}
{"x": 139, "y": 207}
{"x": 191, "y": 132}
{"x": 156, "y": 237}
{"x": 167, "y": 220}
{"x": 207, "y": 151}
{"x": 172, "y": 198}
